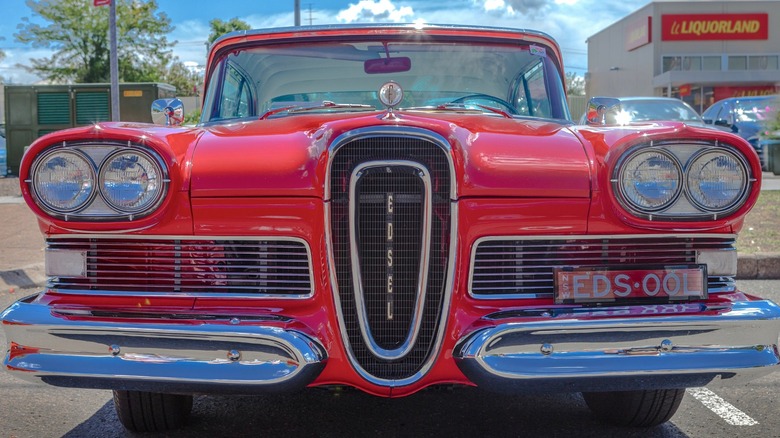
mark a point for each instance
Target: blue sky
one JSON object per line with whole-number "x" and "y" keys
{"x": 570, "y": 22}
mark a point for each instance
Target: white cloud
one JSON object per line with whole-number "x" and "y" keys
{"x": 494, "y": 5}
{"x": 375, "y": 10}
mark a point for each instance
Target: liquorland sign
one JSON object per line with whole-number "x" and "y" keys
{"x": 705, "y": 27}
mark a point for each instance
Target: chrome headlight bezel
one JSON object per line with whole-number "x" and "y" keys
{"x": 742, "y": 172}
{"x": 633, "y": 199}
{"x": 37, "y": 183}
{"x": 106, "y": 167}
{"x": 99, "y": 206}
{"x": 687, "y": 206}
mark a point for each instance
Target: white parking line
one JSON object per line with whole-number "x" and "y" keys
{"x": 722, "y": 408}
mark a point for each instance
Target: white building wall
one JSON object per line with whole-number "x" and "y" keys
{"x": 615, "y": 71}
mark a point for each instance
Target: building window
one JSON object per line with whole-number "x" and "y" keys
{"x": 692, "y": 63}
{"x": 762, "y": 62}
{"x": 737, "y": 62}
{"x": 711, "y": 63}
{"x": 672, "y": 63}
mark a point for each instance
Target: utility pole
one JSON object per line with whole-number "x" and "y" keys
{"x": 113, "y": 63}
{"x": 297, "y": 12}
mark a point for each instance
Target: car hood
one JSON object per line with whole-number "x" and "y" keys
{"x": 491, "y": 156}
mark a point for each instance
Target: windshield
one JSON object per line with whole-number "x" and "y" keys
{"x": 755, "y": 110}
{"x": 280, "y": 80}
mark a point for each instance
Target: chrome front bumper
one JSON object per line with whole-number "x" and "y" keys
{"x": 208, "y": 356}
{"x": 571, "y": 353}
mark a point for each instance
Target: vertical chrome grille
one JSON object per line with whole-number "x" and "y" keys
{"x": 404, "y": 156}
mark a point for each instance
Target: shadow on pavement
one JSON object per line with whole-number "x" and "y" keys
{"x": 459, "y": 412}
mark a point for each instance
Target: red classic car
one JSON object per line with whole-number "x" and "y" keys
{"x": 390, "y": 207}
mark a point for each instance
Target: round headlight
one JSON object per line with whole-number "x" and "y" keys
{"x": 650, "y": 180}
{"x": 63, "y": 181}
{"x": 717, "y": 180}
{"x": 131, "y": 181}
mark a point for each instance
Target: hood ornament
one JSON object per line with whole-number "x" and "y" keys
{"x": 390, "y": 94}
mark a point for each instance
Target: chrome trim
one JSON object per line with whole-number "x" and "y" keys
{"x": 163, "y": 177}
{"x": 595, "y": 352}
{"x": 389, "y": 131}
{"x": 34, "y": 187}
{"x": 640, "y": 151}
{"x": 452, "y": 257}
{"x": 170, "y": 354}
{"x": 229, "y": 295}
{"x": 738, "y": 201}
{"x": 422, "y": 279}
{"x": 684, "y": 200}
{"x": 97, "y": 208}
{"x": 593, "y": 237}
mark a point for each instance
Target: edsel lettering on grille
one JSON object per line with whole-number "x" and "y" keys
{"x": 390, "y": 208}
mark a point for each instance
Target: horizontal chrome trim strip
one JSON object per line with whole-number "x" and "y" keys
{"x": 526, "y": 273}
{"x": 588, "y": 352}
{"x": 259, "y": 267}
{"x": 213, "y": 355}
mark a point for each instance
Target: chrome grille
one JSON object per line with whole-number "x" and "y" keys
{"x": 268, "y": 267}
{"x": 506, "y": 268}
{"x": 372, "y": 246}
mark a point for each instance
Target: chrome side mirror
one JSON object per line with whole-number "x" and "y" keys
{"x": 168, "y": 112}
{"x": 599, "y": 108}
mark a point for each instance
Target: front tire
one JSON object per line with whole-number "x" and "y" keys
{"x": 141, "y": 411}
{"x": 635, "y": 408}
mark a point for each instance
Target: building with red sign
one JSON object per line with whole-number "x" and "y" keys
{"x": 698, "y": 51}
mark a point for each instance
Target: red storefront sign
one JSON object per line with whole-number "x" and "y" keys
{"x": 684, "y": 90}
{"x": 720, "y": 93}
{"x": 707, "y": 27}
{"x": 639, "y": 33}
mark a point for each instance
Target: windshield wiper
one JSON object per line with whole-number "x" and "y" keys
{"x": 326, "y": 105}
{"x": 459, "y": 107}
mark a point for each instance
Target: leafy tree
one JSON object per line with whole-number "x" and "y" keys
{"x": 77, "y": 32}
{"x": 220, "y": 27}
{"x": 575, "y": 85}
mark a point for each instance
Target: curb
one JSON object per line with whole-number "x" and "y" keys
{"x": 760, "y": 266}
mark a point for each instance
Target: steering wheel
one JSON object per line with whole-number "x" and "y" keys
{"x": 478, "y": 96}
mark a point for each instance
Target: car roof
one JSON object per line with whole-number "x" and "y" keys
{"x": 746, "y": 98}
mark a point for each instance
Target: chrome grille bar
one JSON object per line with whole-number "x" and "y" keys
{"x": 269, "y": 268}
{"x": 522, "y": 267}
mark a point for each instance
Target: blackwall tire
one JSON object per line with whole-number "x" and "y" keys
{"x": 635, "y": 408}
{"x": 141, "y": 411}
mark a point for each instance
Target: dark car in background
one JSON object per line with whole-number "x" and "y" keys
{"x": 651, "y": 109}
{"x": 745, "y": 116}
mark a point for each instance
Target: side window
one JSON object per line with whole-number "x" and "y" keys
{"x": 236, "y": 95}
{"x": 725, "y": 114}
{"x": 531, "y": 95}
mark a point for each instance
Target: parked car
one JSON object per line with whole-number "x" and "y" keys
{"x": 636, "y": 109}
{"x": 389, "y": 208}
{"x": 745, "y": 116}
